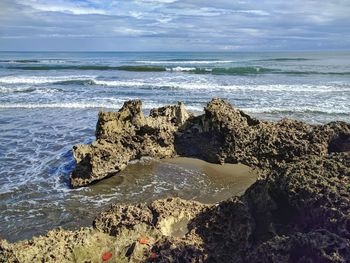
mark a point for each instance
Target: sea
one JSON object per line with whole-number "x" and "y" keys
{"x": 49, "y": 101}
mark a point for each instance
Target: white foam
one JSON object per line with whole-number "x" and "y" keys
{"x": 74, "y": 105}
{"x": 85, "y": 105}
{"x": 299, "y": 109}
{"x": 159, "y": 83}
{"x": 40, "y": 79}
{"x": 213, "y": 86}
{"x": 184, "y": 61}
{"x": 26, "y": 90}
{"x": 181, "y": 69}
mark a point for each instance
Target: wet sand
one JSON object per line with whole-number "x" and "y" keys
{"x": 237, "y": 177}
{"x": 143, "y": 180}
{"x": 148, "y": 179}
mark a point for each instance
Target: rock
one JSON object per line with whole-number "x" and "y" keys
{"x": 318, "y": 246}
{"x": 126, "y": 135}
{"x": 115, "y": 231}
{"x": 222, "y": 134}
{"x": 298, "y": 211}
{"x": 306, "y": 205}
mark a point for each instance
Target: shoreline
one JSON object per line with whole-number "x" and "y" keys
{"x": 297, "y": 210}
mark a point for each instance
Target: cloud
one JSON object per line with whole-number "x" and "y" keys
{"x": 158, "y": 1}
{"x": 63, "y": 7}
{"x": 132, "y": 32}
{"x": 174, "y": 24}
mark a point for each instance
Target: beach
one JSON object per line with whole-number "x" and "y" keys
{"x": 297, "y": 201}
{"x": 50, "y": 102}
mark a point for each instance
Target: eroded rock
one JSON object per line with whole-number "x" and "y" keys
{"x": 298, "y": 211}
{"x": 222, "y": 134}
{"x": 126, "y": 135}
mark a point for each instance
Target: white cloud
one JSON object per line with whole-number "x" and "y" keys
{"x": 124, "y": 31}
{"x": 255, "y": 12}
{"x": 63, "y": 7}
{"x": 157, "y": 1}
{"x": 195, "y": 24}
{"x": 135, "y": 14}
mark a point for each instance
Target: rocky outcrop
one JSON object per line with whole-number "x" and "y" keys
{"x": 222, "y": 134}
{"x": 225, "y": 134}
{"x": 126, "y": 135}
{"x": 127, "y": 233}
{"x": 298, "y": 211}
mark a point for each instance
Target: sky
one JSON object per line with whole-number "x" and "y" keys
{"x": 174, "y": 25}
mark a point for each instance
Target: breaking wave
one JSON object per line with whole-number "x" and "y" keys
{"x": 194, "y": 70}
{"x": 184, "y": 61}
{"x": 284, "y": 59}
{"x": 159, "y": 83}
{"x": 6, "y": 90}
{"x": 42, "y": 80}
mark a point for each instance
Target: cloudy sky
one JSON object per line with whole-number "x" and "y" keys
{"x": 174, "y": 25}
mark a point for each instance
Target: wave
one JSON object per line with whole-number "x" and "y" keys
{"x": 42, "y": 80}
{"x": 20, "y": 61}
{"x": 5, "y": 90}
{"x": 87, "y": 105}
{"x": 284, "y": 59}
{"x": 75, "y": 105}
{"x": 234, "y": 71}
{"x": 90, "y": 67}
{"x": 194, "y": 70}
{"x": 82, "y": 80}
{"x": 184, "y": 61}
{"x": 335, "y": 73}
{"x": 297, "y": 110}
{"x": 211, "y": 86}
{"x": 194, "y": 108}
{"x": 33, "y": 61}
{"x": 62, "y": 67}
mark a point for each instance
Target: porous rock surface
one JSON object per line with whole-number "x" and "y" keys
{"x": 126, "y": 135}
{"x": 222, "y": 134}
{"x": 298, "y": 211}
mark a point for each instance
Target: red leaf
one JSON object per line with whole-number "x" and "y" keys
{"x": 143, "y": 241}
{"x": 106, "y": 256}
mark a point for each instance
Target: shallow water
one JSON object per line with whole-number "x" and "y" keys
{"x": 50, "y": 101}
{"x": 142, "y": 181}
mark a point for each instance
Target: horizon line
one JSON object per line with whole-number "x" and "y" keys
{"x": 173, "y": 51}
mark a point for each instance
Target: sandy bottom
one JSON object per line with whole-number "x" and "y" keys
{"x": 147, "y": 179}
{"x": 238, "y": 177}
{"x": 143, "y": 180}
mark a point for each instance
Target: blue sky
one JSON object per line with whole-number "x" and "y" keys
{"x": 174, "y": 25}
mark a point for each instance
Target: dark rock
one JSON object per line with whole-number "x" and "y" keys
{"x": 222, "y": 134}
{"x": 298, "y": 211}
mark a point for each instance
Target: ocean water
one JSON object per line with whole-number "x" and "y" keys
{"x": 50, "y": 101}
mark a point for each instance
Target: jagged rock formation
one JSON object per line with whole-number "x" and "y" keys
{"x": 222, "y": 134}
{"x": 298, "y": 211}
{"x": 126, "y": 135}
